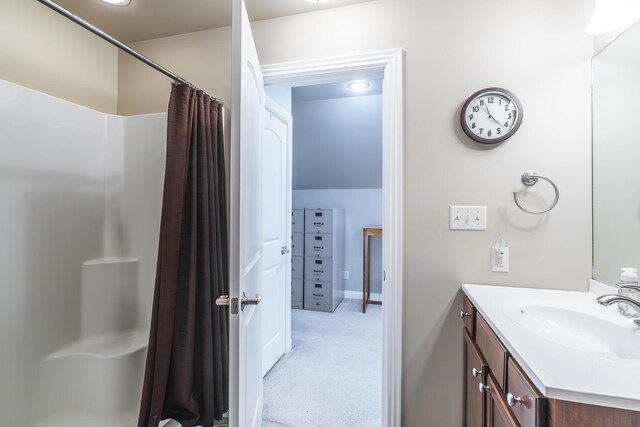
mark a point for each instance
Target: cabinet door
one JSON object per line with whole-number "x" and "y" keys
{"x": 475, "y": 371}
{"x": 497, "y": 409}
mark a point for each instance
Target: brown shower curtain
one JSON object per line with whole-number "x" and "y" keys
{"x": 187, "y": 376}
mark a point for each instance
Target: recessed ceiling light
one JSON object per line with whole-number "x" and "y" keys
{"x": 318, "y": 1}
{"x": 117, "y": 2}
{"x": 358, "y": 86}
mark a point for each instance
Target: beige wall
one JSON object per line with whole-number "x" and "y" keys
{"x": 44, "y": 51}
{"x": 203, "y": 58}
{"x": 540, "y": 51}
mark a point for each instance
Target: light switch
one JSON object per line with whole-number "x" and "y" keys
{"x": 471, "y": 218}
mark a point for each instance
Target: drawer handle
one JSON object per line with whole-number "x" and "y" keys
{"x": 483, "y": 387}
{"x": 475, "y": 372}
{"x": 318, "y": 271}
{"x": 318, "y": 248}
{"x": 318, "y": 295}
{"x": 463, "y": 314}
{"x": 318, "y": 224}
{"x": 514, "y": 400}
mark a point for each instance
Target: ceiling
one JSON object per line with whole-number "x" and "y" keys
{"x": 150, "y": 19}
{"x": 335, "y": 90}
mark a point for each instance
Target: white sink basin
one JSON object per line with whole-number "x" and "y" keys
{"x": 582, "y": 331}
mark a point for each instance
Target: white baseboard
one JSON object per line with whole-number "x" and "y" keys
{"x": 358, "y": 295}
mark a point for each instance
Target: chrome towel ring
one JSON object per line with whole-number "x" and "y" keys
{"x": 530, "y": 178}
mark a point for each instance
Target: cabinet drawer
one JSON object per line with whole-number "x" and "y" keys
{"x": 468, "y": 315}
{"x": 296, "y": 293}
{"x": 317, "y": 296}
{"x": 527, "y": 403}
{"x": 318, "y": 269}
{"x": 318, "y": 220}
{"x": 492, "y": 350}
{"x": 297, "y": 244}
{"x": 297, "y": 221}
{"x": 318, "y": 245}
{"x": 296, "y": 267}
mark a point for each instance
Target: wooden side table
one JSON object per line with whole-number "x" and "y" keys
{"x": 367, "y": 233}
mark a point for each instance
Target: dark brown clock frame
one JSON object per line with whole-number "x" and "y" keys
{"x": 480, "y": 139}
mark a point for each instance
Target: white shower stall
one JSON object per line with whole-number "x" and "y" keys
{"x": 81, "y": 196}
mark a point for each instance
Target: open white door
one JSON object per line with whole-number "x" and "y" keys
{"x": 245, "y": 335}
{"x": 276, "y": 211}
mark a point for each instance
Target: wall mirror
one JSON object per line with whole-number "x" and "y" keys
{"x": 616, "y": 157}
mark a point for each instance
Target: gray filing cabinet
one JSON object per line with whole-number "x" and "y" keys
{"x": 297, "y": 258}
{"x": 324, "y": 253}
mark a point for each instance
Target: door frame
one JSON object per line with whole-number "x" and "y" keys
{"x": 274, "y": 108}
{"x": 390, "y": 64}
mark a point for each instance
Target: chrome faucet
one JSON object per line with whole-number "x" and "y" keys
{"x": 613, "y": 298}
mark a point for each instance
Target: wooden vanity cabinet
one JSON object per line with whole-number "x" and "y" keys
{"x": 498, "y": 413}
{"x": 475, "y": 373}
{"x": 509, "y": 397}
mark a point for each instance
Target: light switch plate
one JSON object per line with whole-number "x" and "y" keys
{"x": 471, "y": 218}
{"x": 345, "y": 275}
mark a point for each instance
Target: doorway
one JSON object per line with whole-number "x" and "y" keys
{"x": 387, "y": 65}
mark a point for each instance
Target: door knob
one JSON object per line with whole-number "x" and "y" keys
{"x": 475, "y": 372}
{"x": 284, "y": 250}
{"x": 231, "y": 302}
{"x": 463, "y": 314}
{"x": 245, "y": 300}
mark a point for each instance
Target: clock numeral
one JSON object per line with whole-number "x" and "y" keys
{"x": 489, "y": 133}
{"x": 499, "y": 101}
{"x": 482, "y": 102}
{"x": 506, "y": 124}
{"x": 506, "y": 108}
{"x": 473, "y": 125}
{"x": 481, "y": 129}
{"x": 499, "y": 131}
{"x": 470, "y": 116}
{"x": 475, "y": 109}
{"x": 490, "y": 100}
{"x": 509, "y": 116}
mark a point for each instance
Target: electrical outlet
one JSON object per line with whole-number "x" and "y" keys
{"x": 346, "y": 275}
{"x": 500, "y": 259}
{"x": 471, "y": 218}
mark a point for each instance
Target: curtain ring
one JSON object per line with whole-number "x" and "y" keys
{"x": 530, "y": 178}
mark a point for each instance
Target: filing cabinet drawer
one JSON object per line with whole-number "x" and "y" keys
{"x": 296, "y": 293}
{"x": 494, "y": 352}
{"x": 297, "y": 221}
{"x": 317, "y": 269}
{"x": 318, "y": 245}
{"x": 318, "y": 221}
{"x": 297, "y": 244}
{"x": 296, "y": 267}
{"x": 527, "y": 403}
{"x": 317, "y": 296}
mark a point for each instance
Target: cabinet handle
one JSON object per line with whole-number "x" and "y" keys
{"x": 475, "y": 372}
{"x": 483, "y": 387}
{"x": 463, "y": 314}
{"x": 514, "y": 400}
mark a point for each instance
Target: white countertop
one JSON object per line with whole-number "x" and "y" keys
{"x": 566, "y": 357}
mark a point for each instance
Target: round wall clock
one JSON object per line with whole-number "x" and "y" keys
{"x": 491, "y": 115}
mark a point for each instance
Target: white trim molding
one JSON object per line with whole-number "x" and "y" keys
{"x": 358, "y": 295}
{"x": 389, "y": 63}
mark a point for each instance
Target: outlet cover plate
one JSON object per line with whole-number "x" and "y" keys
{"x": 468, "y": 218}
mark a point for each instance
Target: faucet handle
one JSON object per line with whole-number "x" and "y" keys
{"x": 634, "y": 287}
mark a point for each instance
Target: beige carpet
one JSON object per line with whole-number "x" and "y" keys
{"x": 333, "y": 375}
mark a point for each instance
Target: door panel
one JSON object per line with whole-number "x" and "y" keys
{"x": 276, "y": 223}
{"x": 498, "y": 412}
{"x": 245, "y": 351}
{"x": 474, "y": 399}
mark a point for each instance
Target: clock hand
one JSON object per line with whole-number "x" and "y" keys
{"x": 491, "y": 117}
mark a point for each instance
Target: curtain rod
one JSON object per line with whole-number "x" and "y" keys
{"x": 98, "y": 32}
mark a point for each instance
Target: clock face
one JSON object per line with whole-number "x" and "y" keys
{"x": 491, "y": 115}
